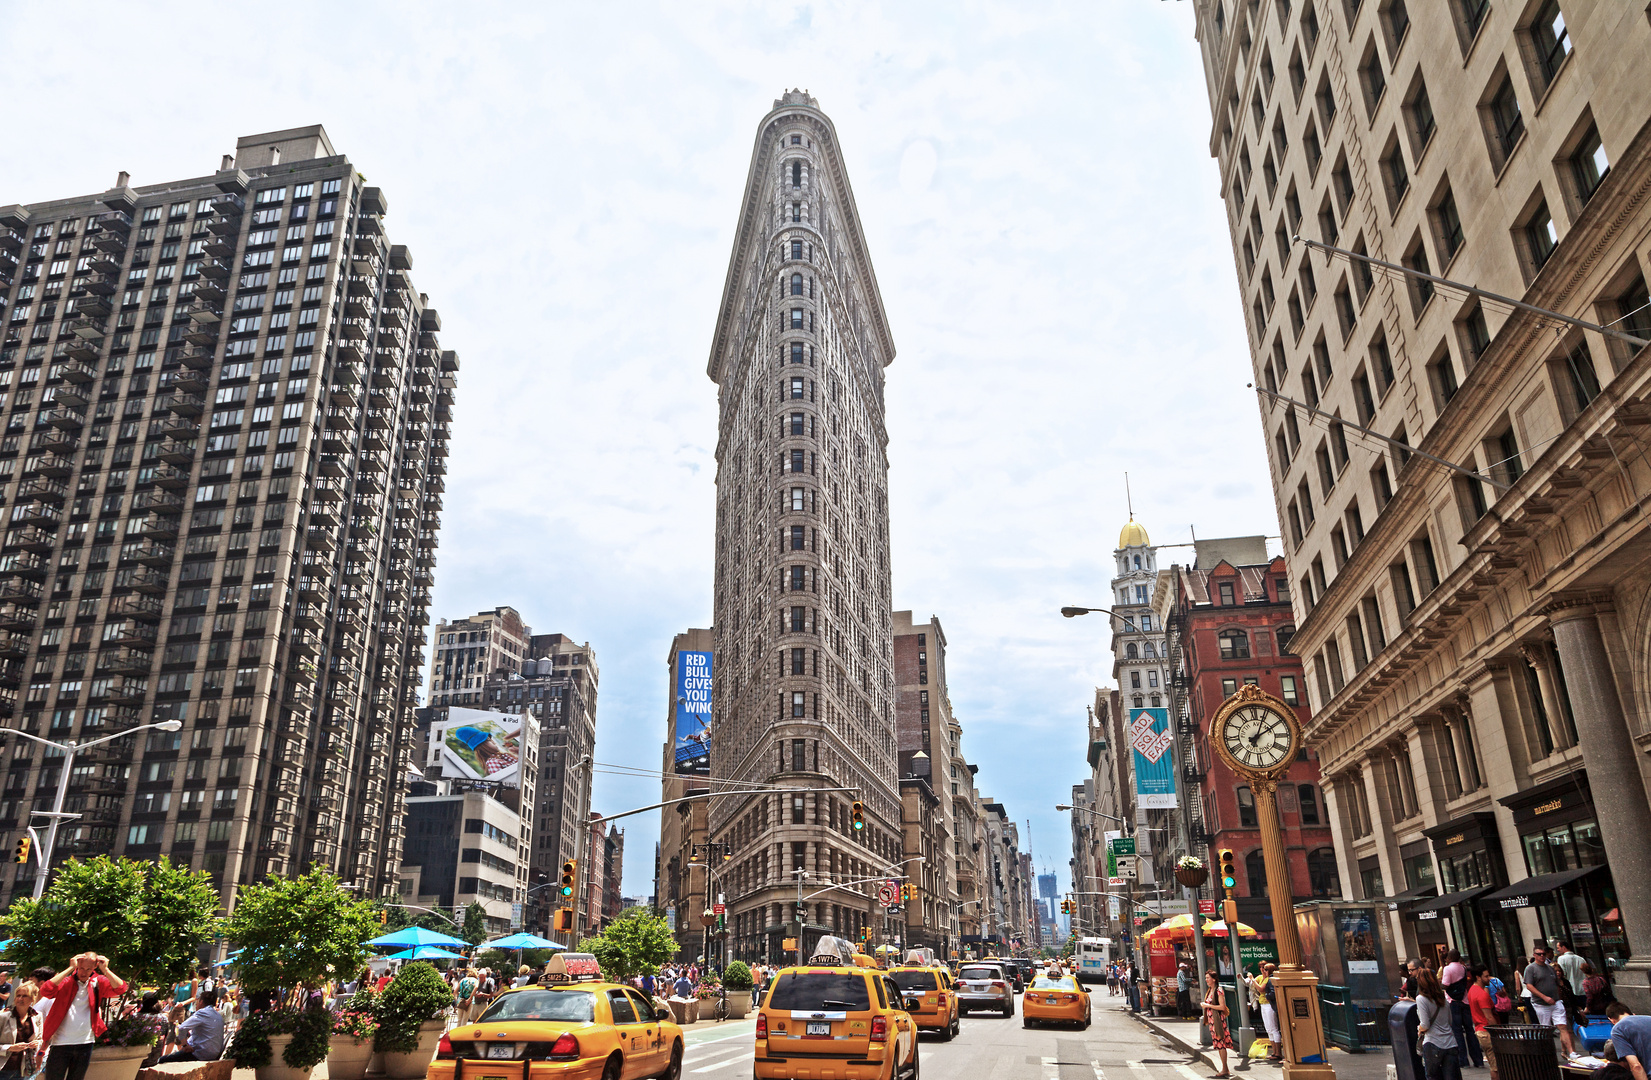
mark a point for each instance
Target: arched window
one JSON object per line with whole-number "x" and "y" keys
{"x": 1309, "y": 804}
{"x": 1255, "y": 869}
{"x": 1151, "y": 652}
{"x": 1235, "y": 644}
{"x": 1325, "y": 879}
{"x": 1137, "y": 562}
{"x": 1130, "y": 651}
{"x": 796, "y": 174}
{"x": 1246, "y": 808}
{"x": 796, "y": 284}
{"x": 1284, "y": 634}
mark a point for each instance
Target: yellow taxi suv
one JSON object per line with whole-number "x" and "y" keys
{"x": 931, "y": 999}
{"x": 833, "y": 1019}
{"x": 1052, "y": 999}
{"x": 581, "y": 1031}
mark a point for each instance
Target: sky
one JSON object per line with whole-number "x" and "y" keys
{"x": 1042, "y": 213}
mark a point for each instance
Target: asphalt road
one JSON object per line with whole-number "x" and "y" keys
{"x": 991, "y": 1048}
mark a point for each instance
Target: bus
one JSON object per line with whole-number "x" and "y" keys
{"x": 1093, "y": 955}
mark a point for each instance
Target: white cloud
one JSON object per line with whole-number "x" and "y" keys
{"x": 1040, "y": 207}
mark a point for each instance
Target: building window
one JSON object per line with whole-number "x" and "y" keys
{"x": 1130, "y": 652}
{"x": 799, "y": 760}
{"x": 1322, "y": 876}
{"x": 1308, "y": 800}
{"x": 1288, "y": 691}
{"x": 1255, "y": 866}
{"x": 1235, "y": 644}
{"x": 1506, "y": 119}
{"x": 798, "y": 579}
{"x": 1589, "y": 165}
{"x": 797, "y": 538}
{"x": 1229, "y": 687}
{"x": 1225, "y": 591}
{"x": 1541, "y": 235}
{"x": 1551, "y": 38}
{"x": 798, "y": 622}
{"x": 796, "y": 284}
{"x": 797, "y": 498}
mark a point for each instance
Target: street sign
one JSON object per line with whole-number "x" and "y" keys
{"x": 670, "y": 919}
{"x": 888, "y": 894}
{"x": 1206, "y": 907}
{"x": 720, "y": 909}
{"x": 515, "y": 916}
{"x": 1112, "y": 882}
{"x": 1128, "y": 867}
{"x": 1122, "y": 845}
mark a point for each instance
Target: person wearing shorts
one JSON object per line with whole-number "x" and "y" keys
{"x": 1547, "y": 998}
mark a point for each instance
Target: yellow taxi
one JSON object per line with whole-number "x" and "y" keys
{"x": 1052, "y": 998}
{"x": 931, "y": 998}
{"x": 834, "y": 1017}
{"x": 578, "y": 1030}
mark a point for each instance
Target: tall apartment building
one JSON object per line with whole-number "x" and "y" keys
{"x": 555, "y": 680}
{"x": 682, "y": 878}
{"x": 226, "y": 423}
{"x": 928, "y": 740}
{"x": 802, "y": 613}
{"x": 466, "y": 652}
{"x": 1470, "y": 634}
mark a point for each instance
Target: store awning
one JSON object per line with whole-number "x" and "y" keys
{"x": 1409, "y": 896}
{"x": 1429, "y": 909}
{"x": 1520, "y": 893}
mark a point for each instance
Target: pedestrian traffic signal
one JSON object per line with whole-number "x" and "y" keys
{"x": 568, "y": 870}
{"x": 788, "y": 944}
{"x": 23, "y": 846}
{"x": 857, "y": 815}
{"x": 564, "y": 920}
{"x": 1229, "y": 873}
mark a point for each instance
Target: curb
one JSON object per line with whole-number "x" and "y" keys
{"x": 1208, "y": 1058}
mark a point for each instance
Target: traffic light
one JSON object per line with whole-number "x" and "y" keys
{"x": 568, "y": 870}
{"x": 865, "y": 934}
{"x": 1229, "y": 874}
{"x": 23, "y": 846}
{"x": 383, "y": 916}
{"x": 564, "y": 920}
{"x": 857, "y": 815}
{"x": 908, "y": 892}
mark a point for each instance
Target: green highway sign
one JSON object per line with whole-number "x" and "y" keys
{"x": 1122, "y": 845}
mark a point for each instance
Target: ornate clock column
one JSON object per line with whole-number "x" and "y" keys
{"x": 1296, "y": 989}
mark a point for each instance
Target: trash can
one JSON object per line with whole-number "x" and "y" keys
{"x": 1401, "y": 1027}
{"x": 1525, "y": 1052}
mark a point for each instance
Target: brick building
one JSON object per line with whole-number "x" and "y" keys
{"x": 1231, "y": 623}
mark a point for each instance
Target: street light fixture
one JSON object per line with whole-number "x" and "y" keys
{"x": 69, "y": 750}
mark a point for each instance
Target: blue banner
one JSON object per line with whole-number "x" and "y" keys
{"x": 693, "y": 713}
{"x": 1153, "y": 746}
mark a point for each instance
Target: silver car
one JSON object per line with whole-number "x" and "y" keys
{"x": 985, "y": 986}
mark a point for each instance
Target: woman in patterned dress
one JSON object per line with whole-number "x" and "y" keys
{"x": 1215, "y": 1018}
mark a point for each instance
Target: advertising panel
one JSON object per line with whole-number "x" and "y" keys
{"x": 1152, "y": 745}
{"x": 477, "y": 745}
{"x": 693, "y": 713}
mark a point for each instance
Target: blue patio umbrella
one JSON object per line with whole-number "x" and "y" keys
{"x": 411, "y": 937}
{"x": 522, "y": 941}
{"x": 426, "y": 952}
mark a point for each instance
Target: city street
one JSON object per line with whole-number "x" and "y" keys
{"x": 1115, "y": 1047}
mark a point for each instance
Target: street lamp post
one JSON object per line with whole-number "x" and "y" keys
{"x": 69, "y": 750}
{"x": 700, "y": 855}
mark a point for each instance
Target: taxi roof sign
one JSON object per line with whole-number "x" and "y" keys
{"x": 834, "y": 951}
{"x": 573, "y": 967}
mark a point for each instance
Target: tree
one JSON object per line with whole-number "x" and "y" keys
{"x": 299, "y": 931}
{"x": 148, "y": 918}
{"x": 475, "y": 924}
{"x": 635, "y": 943}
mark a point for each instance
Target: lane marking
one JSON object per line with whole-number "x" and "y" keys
{"x": 721, "y": 1050}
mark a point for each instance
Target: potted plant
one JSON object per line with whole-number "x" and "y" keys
{"x": 1190, "y": 871}
{"x": 737, "y": 978}
{"x": 295, "y": 935}
{"x": 148, "y": 918}
{"x": 410, "y": 1020}
{"x": 354, "y": 1027}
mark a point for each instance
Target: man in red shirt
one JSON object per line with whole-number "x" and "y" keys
{"x": 1483, "y": 1010}
{"x": 75, "y": 1020}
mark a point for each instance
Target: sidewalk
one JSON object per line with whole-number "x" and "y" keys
{"x": 1183, "y": 1035}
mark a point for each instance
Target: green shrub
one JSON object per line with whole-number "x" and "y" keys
{"x": 737, "y": 976}
{"x": 415, "y": 995}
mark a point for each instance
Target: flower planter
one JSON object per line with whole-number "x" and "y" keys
{"x": 1191, "y": 877}
{"x": 414, "y": 1065}
{"x": 739, "y": 1003}
{"x": 348, "y": 1058}
{"x": 116, "y": 1062}
{"x": 278, "y": 1069}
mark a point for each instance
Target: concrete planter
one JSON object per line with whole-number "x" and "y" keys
{"x": 278, "y": 1069}
{"x": 348, "y": 1058}
{"x": 685, "y": 1010}
{"x": 739, "y": 1003}
{"x": 116, "y": 1062}
{"x": 414, "y": 1065}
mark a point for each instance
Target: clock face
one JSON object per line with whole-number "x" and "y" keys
{"x": 1257, "y": 737}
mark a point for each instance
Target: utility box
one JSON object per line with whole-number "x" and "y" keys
{"x": 1401, "y": 1027}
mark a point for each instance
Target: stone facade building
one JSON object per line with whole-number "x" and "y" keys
{"x": 468, "y": 651}
{"x": 227, "y": 419}
{"x": 682, "y": 827}
{"x": 1474, "y": 635}
{"x": 802, "y": 613}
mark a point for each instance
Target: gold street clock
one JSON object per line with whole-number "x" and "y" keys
{"x": 1256, "y": 734}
